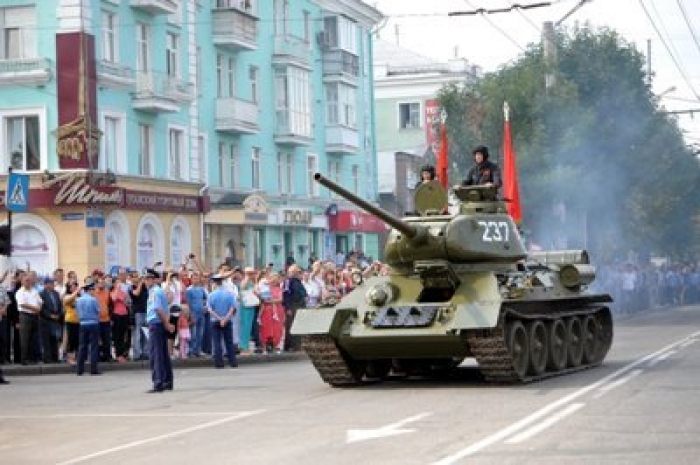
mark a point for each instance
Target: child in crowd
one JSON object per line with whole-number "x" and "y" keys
{"x": 183, "y": 329}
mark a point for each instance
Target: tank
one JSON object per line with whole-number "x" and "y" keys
{"x": 462, "y": 285}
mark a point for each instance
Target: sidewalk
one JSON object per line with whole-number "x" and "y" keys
{"x": 203, "y": 362}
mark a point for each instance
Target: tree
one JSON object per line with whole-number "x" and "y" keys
{"x": 600, "y": 165}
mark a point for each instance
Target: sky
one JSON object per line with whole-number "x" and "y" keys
{"x": 497, "y": 39}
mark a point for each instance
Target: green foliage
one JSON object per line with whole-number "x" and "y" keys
{"x": 595, "y": 142}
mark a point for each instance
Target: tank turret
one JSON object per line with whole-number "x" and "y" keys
{"x": 480, "y": 233}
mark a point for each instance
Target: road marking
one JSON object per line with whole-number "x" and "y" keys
{"x": 660, "y": 358}
{"x": 115, "y": 415}
{"x": 618, "y": 382}
{"x": 356, "y": 435}
{"x": 539, "y": 427}
{"x": 515, "y": 427}
{"x": 162, "y": 437}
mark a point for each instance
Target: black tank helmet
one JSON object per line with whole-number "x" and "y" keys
{"x": 482, "y": 149}
{"x": 428, "y": 169}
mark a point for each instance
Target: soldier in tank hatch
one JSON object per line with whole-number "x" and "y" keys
{"x": 484, "y": 172}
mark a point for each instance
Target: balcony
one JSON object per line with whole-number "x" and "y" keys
{"x": 24, "y": 71}
{"x": 114, "y": 75}
{"x": 292, "y": 128}
{"x": 342, "y": 139}
{"x": 235, "y": 28}
{"x": 340, "y": 65}
{"x": 237, "y": 116}
{"x": 291, "y": 50}
{"x": 161, "y": 95}
{"x": 156, "y": 7}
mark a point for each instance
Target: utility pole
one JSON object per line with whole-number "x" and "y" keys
{"x": 550, "y": 54}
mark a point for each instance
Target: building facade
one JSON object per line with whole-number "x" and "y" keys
{"x": 406, "y": 87}
{"x": 152, "y": 129}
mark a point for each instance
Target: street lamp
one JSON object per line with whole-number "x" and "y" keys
{"x": 666, "y": 92}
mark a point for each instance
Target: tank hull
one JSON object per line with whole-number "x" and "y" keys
{"x": 545, "y": 331}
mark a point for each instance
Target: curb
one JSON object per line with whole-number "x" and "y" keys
{"x": 204, "y": 362}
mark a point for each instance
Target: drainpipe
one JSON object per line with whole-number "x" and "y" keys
{"x": 204, "y": 189}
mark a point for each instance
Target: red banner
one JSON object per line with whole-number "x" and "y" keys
{"x": 510, "y": 172}
{"x": 77, "y": 135}
{"x": 442, "y": 156}
{"x": 432, "y": 124}
{"x": 355, "y": 221}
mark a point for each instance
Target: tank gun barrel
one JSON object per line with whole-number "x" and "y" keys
{"x": 408, "y": 230}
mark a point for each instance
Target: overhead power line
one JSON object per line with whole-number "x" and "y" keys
{"x": 489, "y": 11}
{"x": 687, "y": 22}
{"x": 668, "y": 49}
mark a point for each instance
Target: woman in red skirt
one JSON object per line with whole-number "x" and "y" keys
{"x": 271, "y": 313}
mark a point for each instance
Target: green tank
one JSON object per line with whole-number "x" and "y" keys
{"x": 462, "y": 285}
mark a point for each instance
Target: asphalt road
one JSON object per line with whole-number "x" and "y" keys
{"x": 641, "y": 407}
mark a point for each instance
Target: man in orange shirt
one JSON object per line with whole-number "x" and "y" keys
{"x": 103, "y": 298}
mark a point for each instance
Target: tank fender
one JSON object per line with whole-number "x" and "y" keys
{"x": 478, "y": 315}
{"x": 320, "y": 320}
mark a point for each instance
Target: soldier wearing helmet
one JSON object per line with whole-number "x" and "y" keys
{"x": 484, "y": 172}
{"x": 427, "y": 174}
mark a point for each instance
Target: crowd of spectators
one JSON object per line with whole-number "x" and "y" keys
{"x": 41, "y": 324}
{"x": 638, "y": 287}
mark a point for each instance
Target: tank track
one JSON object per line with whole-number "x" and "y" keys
{"x": 489, "y": 347}
{"x": 330, "y": 362}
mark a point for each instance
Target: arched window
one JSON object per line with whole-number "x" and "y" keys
{"x": 117, "y": 241}
{"x": 34, "y": 244}
{"x": 180, "y": 242}
{"x": 149, "y": 242}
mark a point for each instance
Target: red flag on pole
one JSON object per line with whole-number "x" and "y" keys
{"x": 442, "y": 153}
{"x": 510, "y": 172}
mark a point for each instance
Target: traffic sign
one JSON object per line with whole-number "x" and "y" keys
{"x": 17, "y": 193}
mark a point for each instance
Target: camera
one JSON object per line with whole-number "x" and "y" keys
{"x": 191, "y": 256}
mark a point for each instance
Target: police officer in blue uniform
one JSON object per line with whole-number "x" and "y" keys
{"x": 221, "y": 305}
{"x": 89, "y": 314}
{"x": 158, "y": 320}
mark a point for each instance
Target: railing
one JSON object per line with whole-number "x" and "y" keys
{"x": 338, "y": 61}
{"x": 110, "y": 68}
{"x": 342, "y": 139}
{"x": 231, "y": 112}
{"x": 150, "y": 86}
{"x": 169, "y": 6}
{"x": 291, "y": 46}
{"x": 230, "y": 24}
{"x": 24, "y": 65}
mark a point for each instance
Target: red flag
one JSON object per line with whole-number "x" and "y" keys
{"x": 442, "y": 153}
{"x": 510, "y": 172}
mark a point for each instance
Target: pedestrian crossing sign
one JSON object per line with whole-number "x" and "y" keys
{"x": 17, "y": 193}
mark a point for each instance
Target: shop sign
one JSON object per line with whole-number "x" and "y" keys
{"x": 72, "y": 216}
{"x": 297, "y": 217}
{"x": 255, "y": 209}
{"x": 356, "y": 221}
{"x": 141, "y": 200}
{"x": 74, "y": 190}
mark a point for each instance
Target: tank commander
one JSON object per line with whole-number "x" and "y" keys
{"x": 427, "y": 174}
{"x": 484, "y": 172}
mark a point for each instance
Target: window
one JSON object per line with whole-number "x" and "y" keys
{"x": 110, "y": 143}
{"x": 307, "y": 27}
{"x": 142, "y": 47}
{"x": 146, "y": 246}
{"x": 255, "y": 173}
{"x": 355, "y": 179}
{"x": 253, "y": 75}
{"x": 409, "y": 115}
{"x": 281, "y": 17}
{"x": 293, "y": 101}
{"x": 17, "y": 33}
{"x": 145, "y": 150}
{"x": 312, "y": 169}
{"x": 175, "y": 153}
{"x": 341, "y": 33}
{"x": 285, "y": 172}
{"x": 228, "y": 164}
{"x": 225, "y": 76}
{"x": 341, "y": 104}
{"x": 202, "y": 157}
{"x": 334, "y": 174}
{"x": 109, "y": 37}
{"x": 172, "y": 55}
{"x": 23, "y": 142}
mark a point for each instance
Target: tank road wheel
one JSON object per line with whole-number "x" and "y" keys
{"x": 519, "y": 348}
{"x": 558, "y": 342}
{"x": 539, "y": 349}
{"x": 378, "y": 369}
{"x": 591, "y": 335}
{"x": 574, "y": 333}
